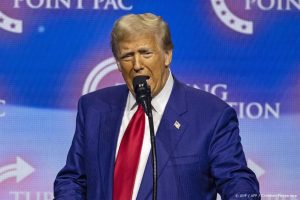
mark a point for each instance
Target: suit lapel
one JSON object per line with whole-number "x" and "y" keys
{"x": 169, "y": 133}
{"x": 108, "y": 137}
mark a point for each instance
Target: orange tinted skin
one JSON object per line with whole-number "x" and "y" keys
{"x": 143, "y": 55}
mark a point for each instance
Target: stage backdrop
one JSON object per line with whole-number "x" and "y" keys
{"x": 247, "y": 52}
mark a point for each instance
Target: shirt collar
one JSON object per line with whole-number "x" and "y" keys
{"x": 160, "y": 101}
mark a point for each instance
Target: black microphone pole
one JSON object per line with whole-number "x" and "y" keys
{"x": 143, "y": 97}
{"x": 154, "y": 158}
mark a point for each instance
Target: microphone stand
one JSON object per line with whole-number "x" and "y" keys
{"x": 143, "y": 97}
{"x": 153, "y": 153}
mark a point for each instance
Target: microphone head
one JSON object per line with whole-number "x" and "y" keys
{"x": 142, "y": 91}
{"x": 140, "y": 81}
{"x": 141, "y": 88}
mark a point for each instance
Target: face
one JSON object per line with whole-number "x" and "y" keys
{"x": 143, "y": 55}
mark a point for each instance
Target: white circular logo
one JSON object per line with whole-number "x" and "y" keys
{"x": 104, "y": 74}
{"x": 231, "y": 20}
{"x": 9, "y": 24}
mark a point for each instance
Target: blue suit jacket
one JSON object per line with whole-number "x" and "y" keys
{"x": 202, "y": 157}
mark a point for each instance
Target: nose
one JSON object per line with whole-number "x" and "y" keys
{"x": 137, "y": 63}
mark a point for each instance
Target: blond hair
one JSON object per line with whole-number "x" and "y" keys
{"x": 132, "y": 25}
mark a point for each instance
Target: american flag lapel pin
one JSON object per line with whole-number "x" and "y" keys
{"x": 177, "y": 124}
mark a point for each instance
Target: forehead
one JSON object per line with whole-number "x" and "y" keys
{"x": 139, "y": 41}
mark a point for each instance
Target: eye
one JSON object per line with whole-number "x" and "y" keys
{"x": 147, "y": 54}
{"x": 126, "y": 57}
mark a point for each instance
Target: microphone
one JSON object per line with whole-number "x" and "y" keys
{"x": 142, "y": 93}
{"x": 143, "y": 97}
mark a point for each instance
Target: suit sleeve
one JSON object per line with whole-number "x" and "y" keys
{"x": 70, "y": 182}
{"x": 234, "y": 179}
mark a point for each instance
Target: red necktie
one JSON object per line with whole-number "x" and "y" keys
{"x": 128, "y": 157}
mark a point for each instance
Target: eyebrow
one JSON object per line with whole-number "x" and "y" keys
{"x": 130, "y": 53}
{"x": 141, "y": 50}
{"x": 144, "y": 49}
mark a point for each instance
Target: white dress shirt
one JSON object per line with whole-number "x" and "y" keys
{"x": 159, "y": 103}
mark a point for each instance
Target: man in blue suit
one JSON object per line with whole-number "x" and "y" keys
{"x": 199, "y": 149}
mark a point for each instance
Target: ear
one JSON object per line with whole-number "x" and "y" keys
{"x": 168, "y": 57}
